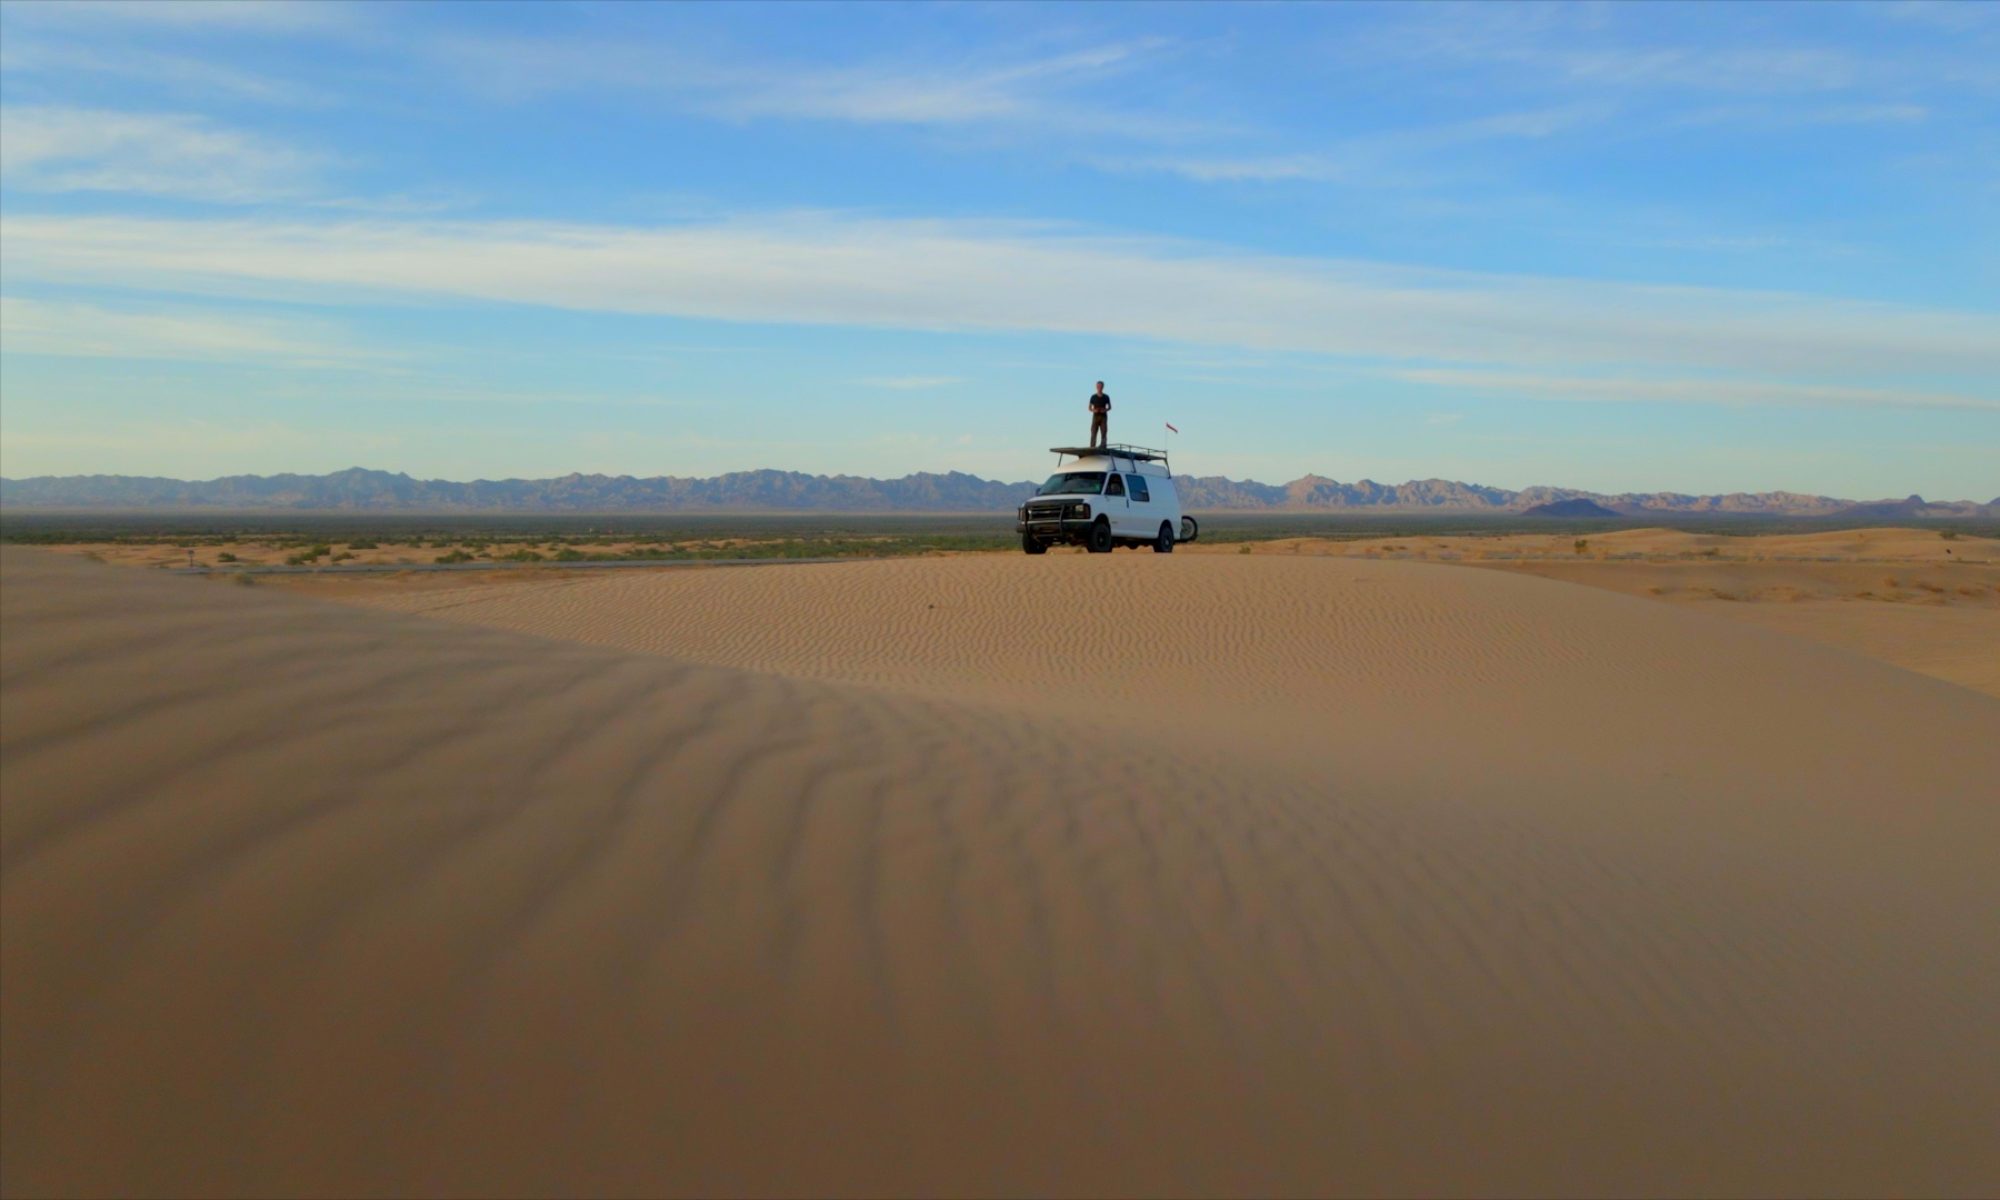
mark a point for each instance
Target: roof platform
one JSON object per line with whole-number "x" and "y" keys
{"x": 1117, "y": 450}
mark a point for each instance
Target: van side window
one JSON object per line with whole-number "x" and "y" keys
{"x": 1138, "y": 483}
{"x": 1114, "y": 486}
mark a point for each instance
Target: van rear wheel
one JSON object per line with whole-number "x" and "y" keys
{"x": 1031, "y": 544}
{"x": 1100, "y": 537}
{"x": 1164, "y": 544}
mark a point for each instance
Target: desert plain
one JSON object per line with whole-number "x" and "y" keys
{"x": 1649, "y": 865}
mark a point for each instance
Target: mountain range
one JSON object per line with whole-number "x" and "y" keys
{"x": 360, "y": 490}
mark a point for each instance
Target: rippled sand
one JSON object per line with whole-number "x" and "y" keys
{"x": 984, "y": 875}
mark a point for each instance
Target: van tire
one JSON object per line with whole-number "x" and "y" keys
{"x": 1030, "y": 544}
{"x": 1189, "y": 529}
{"x": 1100, "y": 537}
{"x": 1164, "y": 544}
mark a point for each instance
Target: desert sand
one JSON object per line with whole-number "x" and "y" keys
{"x": 1924, "y": 599}
{"x": 1267, "y": 873}
{"x": 1913, "y": 597}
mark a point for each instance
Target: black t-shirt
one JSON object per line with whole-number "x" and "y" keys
{"x": 1100, "y": 402}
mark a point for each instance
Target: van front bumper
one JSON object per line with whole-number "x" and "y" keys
{"x": 1058, "y": 530}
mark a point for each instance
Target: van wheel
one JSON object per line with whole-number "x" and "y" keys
{"x": 1031, "y": 544}
{"x": 1164, "y": 544}
{"x": 1189, "y": 530}
{"x": 1100, "y": 537}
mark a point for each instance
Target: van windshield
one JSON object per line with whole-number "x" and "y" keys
{"x": 1073, "y": 483}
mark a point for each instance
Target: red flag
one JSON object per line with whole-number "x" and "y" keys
{"x": 1170, "y": 425}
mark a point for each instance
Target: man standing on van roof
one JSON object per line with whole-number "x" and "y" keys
{"x": 1100, "y": 417}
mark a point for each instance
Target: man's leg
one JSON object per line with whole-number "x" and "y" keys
{"x": 1100, "y": 429}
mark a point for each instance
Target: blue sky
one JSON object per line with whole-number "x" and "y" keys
{"x": 1622, "y": 247}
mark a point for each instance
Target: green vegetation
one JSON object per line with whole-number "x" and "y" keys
{"x": 308, "y": 539}
{"x": 225, "y": 556}
{"x": 308, "y": 556}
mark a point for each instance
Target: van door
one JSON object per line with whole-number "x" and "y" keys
{"x": 1116, "y": 504}
{"x": 1139, "y": 504}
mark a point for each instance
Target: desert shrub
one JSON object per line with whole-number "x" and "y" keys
{"x": 1949, "y": 535}
{"x": 456, "y": 556}
{"x": 1582, "y": 545}
{"x": 343, "y": 556}
{"x": 522, "y": 555}
{"x": 225, "y": 556}
{"x": 242, "y": 580}
{"x": 363, "y": 544}
{"x": 1244, "y": 548}
{"x": 570, "y": 554}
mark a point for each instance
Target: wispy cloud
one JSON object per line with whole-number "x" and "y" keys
{"x": 265, "y": 16}
{"x": 1393, "y": 157}
{"x": 56, "y": 149}
{"x": 930, "y": 275}
{"x": 200, "y": 449}
{"x": 1036, "y": 92}
{"x": 60, "y": 61}
{"x": 1584, "y": 45}
{"x": 74, "y": 330}
{"x": 912, "y": 383}
{"x": 1729, "y": 392}
{"x": 1781, "y": 117}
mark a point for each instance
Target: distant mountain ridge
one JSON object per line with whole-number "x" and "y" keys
{"x": 1571, "y": 509}
{"x": 358, "y": 489}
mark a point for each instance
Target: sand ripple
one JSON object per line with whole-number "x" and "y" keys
{"x": 915, "y": 877}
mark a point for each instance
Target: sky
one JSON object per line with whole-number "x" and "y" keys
{"x": 1622, "y": 247}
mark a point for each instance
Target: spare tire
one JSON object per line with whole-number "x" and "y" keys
{"x": 1189, "y": 530}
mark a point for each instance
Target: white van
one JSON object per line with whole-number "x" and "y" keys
{"x": 1109, "y": 496}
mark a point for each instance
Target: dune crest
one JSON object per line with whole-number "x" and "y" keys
{"x": 983, "y": 876}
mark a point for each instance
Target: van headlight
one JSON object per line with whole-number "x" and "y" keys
{"x": 1079, "y": 510}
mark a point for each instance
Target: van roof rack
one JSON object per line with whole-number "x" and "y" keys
{"x": 1118, "y": 450}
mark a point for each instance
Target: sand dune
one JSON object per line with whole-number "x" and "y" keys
{"x": 983, "y": 875}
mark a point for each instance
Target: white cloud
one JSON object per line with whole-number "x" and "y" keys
{"x": 73, "y": 330}
{"x": 933, "y": 275}
{"x": 56, "y": 149}
{"x": 1731, "y": 392}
